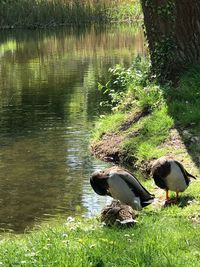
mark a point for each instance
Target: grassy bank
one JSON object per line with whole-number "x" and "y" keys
{"x": 142, "y": 112}
{"x": 162, "y": 237}
{"x": 51, "y": 13}
{"x": 149, "y": 120}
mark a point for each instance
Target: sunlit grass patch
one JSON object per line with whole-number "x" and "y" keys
{"x": 107, "y": 124}
{"x": 154, "y": 129}
{"x": 162, "y": 237}
{"x": 158, "y": 124}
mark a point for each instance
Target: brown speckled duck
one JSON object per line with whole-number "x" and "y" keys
{"x": 121, "y": 185}
{"x": 170, "y": 175}
{"x": 118, "y": 214}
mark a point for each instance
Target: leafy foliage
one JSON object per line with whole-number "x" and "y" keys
{"x": 132, "y": 86}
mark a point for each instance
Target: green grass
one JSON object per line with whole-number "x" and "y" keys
{"x": 107, "y": 123}
{"x": 168, "y": 107}
{"x": 162, "y": 237}
{"x": 51, "y": 13}
{"x": 154, "y": 130}
{"x": 184, "y": 101}
{"x": 128, "y": 11}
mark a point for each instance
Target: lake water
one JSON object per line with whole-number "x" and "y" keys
{"x": 48, "y": 105}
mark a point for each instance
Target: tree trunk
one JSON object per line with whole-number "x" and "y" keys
{"x": 173, "y": 34}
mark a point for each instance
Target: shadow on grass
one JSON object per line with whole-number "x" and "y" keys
{"x": 185, "y": 201}
{"x": 184, "y": 107}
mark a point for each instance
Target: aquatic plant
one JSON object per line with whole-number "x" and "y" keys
{"x": 51, "y": 13}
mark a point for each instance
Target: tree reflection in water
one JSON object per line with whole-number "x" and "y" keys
{"x": 48, "y": 103}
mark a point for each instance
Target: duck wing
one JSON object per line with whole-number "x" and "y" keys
{"x": 136, "y": 186}
{"x": 184, "y": 172}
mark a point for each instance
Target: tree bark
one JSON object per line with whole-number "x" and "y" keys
{"x": 173, "y": 34}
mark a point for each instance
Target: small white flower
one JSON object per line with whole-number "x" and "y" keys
{"x": 70, "y": 219}
{"x": 31, "y": 254}
{"x": 65, "y": 235}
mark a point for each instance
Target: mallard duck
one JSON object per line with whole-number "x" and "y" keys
{"x": 118, "y": 214}
{"x": 170, "y": 175}
{"x": 121, "y": 185}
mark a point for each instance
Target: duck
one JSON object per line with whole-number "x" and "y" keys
{"x": 121, "y": 185}
{"x": 170, "y": 175}
{"x": 118, "y": 214}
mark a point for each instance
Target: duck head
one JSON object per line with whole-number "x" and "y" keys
{"x": 99, "y": 183}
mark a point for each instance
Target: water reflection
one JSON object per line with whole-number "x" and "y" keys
{"x": 48, "y": 103}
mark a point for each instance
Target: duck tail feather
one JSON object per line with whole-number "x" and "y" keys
{"x": 147, "y": 202}
{"x": 190, "y": 175}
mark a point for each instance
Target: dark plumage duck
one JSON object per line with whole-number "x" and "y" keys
{"x": 121, "y": 185}
{"x": 170, "y": 175}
